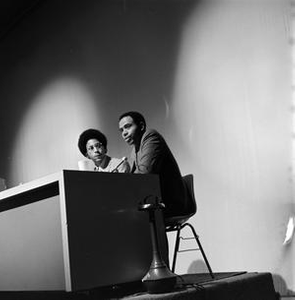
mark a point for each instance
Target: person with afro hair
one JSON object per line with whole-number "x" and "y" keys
{"x": 93, "y": 145}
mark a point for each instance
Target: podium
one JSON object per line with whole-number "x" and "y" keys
{"x": 75, "y": 230}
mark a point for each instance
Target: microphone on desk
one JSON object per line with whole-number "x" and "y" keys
{"x": 122, "y": 161}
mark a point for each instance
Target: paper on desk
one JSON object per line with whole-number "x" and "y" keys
{"x": 290, "y": 231}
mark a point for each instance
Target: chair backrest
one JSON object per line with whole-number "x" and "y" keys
{"x": 191, "y": 206}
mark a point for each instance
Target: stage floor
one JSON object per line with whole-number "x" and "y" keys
{"x": 225, "y": 286}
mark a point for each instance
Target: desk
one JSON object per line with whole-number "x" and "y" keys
{"x": 75, "y": 230}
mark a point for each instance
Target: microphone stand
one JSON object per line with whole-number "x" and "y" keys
{"x": 116, "y": 169}
{"x": 159, "y": 279}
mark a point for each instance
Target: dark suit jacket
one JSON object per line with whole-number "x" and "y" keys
{"x": 155, "y": 157}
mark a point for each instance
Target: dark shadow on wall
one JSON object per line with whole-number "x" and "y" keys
{"x": 125, "y": 51}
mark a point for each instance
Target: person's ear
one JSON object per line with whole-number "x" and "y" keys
{"x": 142, "y": 127}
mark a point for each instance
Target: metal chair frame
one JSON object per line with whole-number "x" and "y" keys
{"x": 181, "y": 222}
{"x": 196, "y": 238}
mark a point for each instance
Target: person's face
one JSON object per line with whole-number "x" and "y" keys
{"x": 130, "y": 131}
{"x": 95, "y": 150}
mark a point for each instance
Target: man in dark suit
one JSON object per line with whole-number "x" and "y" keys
{"x": 151, "y": 154}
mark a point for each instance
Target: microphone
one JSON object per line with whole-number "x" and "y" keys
{"x": 119, "y": 164}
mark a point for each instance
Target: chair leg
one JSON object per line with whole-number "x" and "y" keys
{"x": 176, "y": 247}
{"x": 201, "y": 248}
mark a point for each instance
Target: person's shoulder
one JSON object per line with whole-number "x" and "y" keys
{"x": 122, "y": 165}
{"x": 114, "y": 160}
{"x": 125, "y": 167}
{"x": 152, "y": 133}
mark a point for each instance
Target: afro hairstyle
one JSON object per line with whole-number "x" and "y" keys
{"x": 90, "y": 134}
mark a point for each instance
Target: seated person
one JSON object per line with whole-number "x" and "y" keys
{"x": 151, "y": 154}
{"x": 93, "y": 144}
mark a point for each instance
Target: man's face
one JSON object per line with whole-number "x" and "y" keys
{"x": 95, "y": 150}
{"x": 131, "y": 132}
